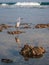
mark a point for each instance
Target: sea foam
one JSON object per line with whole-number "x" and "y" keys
{"x": 26, "y": 4}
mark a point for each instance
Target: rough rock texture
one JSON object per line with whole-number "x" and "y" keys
{"x": 15, "y": 32}
{"x": 32, "y": 52}
{"x": 4, "y": 26}
{"x": 42, "y": 26}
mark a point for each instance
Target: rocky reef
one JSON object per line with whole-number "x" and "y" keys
{"x": 4, "y": 26}
{"x": 32, "y": 52}
{"x": 42, "y": 26}
{"x": 15, "y": 32}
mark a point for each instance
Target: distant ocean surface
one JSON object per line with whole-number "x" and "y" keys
{"x": 31, "y": 12}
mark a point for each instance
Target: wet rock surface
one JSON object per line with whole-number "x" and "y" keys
{"x": 42, "y": 26}
{"x": 15, "y": 32}
{"x": 6, "y": 60}
{"x": 32, "y": 52}
{"x": 4, "y": 26}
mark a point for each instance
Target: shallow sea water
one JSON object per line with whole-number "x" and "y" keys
{"x": 9, "y": 48}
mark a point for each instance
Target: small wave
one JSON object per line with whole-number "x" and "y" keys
{"x": 26, "y": 4}
{"x": 44, "y": 3}
{"x": 4, "y": 4}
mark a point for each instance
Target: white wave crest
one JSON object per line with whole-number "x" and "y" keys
{"x": 4, "y": 4}
{"x": 23, "y": 4}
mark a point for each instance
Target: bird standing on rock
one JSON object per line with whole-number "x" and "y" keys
{"x": 18, "y": 23}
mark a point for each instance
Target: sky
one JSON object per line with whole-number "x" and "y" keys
{"x": 24, "y": 0}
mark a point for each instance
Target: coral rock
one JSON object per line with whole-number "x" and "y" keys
{"x": 30, "y": 51}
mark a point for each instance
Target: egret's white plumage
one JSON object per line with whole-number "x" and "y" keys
{"x": 18, "y": 24}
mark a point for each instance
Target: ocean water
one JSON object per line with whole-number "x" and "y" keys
{"x": 32, "y": 13}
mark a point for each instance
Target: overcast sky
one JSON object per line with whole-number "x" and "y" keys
{"x": 22, "y": 0}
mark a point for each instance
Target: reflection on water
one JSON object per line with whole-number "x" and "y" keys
{"x": 17, "y": 39}
{"x": 27, "y": 58}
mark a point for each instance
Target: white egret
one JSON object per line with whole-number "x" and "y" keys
{"x": 18, "y": 23}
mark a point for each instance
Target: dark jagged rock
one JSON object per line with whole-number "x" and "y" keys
{"x": 26, "y": 50}
{"x": 6, "y": 60}
{"x": 15, "y": 32}
{"x": 32, "y": 52}
{"x": 42, "y": 26}
{"x": 37, "y": 51}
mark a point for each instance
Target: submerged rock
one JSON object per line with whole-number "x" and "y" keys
{"x": 32, "y": 52}
{"x": 6, "y": 60}
{"x": 42, "y": 26}
{"x": 27, "y": 27}
{"x": 25, "y": 23}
